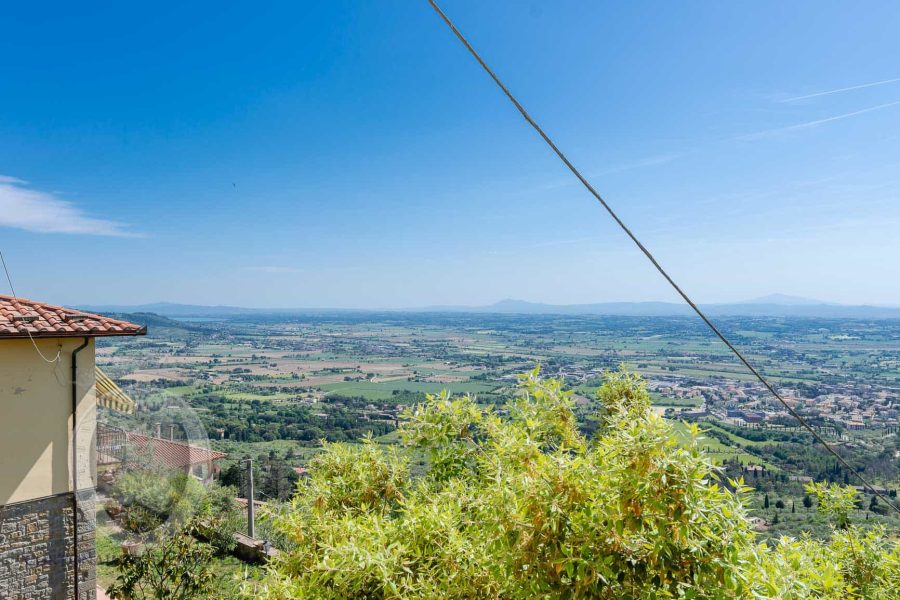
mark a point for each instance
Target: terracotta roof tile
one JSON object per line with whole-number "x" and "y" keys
{"x": 21, "y": 317}
{"x": 171, "y": 454}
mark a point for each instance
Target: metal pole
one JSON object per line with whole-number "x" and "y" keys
{"x": 251, "y": 510}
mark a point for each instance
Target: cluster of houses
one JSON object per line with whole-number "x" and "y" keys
{"x": 750, "y": 404}
{"x": 877, "y": 408}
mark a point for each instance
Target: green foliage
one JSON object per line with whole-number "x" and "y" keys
{"x": 267, "y": 530}
{"x": 151, "y": 499}
{"x": 518, "y": 504}
{"x": 835, "y": 501}
{"x": 219, "y": 517}
{"x": 138, "y": 520}
{"x": 279, "y": 481}
{"x": 108, "y": 549}
{"x": 357, "y": 479}
{"x": 515, "y": 507}
{"x": 623, "y": 396}
{"x": 177, "y": 568}
{"x": 852, "y": 564}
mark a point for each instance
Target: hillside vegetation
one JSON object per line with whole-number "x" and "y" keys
{"x": 518, "y": 503}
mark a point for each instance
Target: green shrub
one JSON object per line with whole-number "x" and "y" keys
{"x": 138, "y": 520}
{"x": 852, "y": 564}
{"x": 219, "y": 517}
{"x": 266, "y": 528}
{"x": 147, "y": 496}
{"x": 151, "y": 499}
{"x": 175, "y": 568}
{"x": 519, "y": 504}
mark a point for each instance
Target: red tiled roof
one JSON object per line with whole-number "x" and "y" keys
{"x": 20, "y": 317}
{"x": 171, "y": 454}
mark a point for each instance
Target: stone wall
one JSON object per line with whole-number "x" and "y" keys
{"x": 36, "y": 549}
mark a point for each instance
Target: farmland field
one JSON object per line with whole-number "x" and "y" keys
{"x": 276, "y": 387}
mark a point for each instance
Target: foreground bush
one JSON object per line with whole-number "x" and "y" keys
{"x": 158, "y": 503}
{"x": 174, "y": 568}
{"x": 170, "y": 512}
{"x": 519, "y": 504}
{"x": 150, "y": 498}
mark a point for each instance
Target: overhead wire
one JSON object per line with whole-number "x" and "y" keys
{"x": 18, "y": 302}
{"x": 590, "y": 188}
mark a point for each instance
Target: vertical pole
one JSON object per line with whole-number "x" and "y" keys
{"x": 75, "y": 546}
{"x": 251, "y": 509}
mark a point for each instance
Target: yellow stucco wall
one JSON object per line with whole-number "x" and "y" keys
{"x": 36, "y": 419}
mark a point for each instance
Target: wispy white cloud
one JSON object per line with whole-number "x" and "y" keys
{"x": 810, "y": 124}
{"x": 843, "y": 89}
{"x": 642, "y": 163}
{"x": 650, "y": 161}
{"x": 565, "y": 242}
{"x": 44, "y": 212}
{"x": 274, "y": 269}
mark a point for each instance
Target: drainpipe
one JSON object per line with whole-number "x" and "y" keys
{"x": 75, "y": 460}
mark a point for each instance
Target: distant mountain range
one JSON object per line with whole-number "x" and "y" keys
{"x": 775, "y": 305}
{"x": 785, "y": 300}
{"x": 769, "y": 306}
{"x": 172, "y": 309}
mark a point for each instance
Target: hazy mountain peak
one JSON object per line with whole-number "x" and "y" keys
{"x": 784, "y": 300}
{"x": 511, "y": 302}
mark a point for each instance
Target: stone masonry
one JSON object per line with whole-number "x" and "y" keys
{"x": 36, "y": 549}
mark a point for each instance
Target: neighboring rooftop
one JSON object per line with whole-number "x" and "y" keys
{"x": 171, "y": 454}
{"x": 21, "y": 317}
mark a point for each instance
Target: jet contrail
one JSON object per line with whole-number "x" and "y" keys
{"x": 846, "y": 89}
{"x": 808, "y": 124}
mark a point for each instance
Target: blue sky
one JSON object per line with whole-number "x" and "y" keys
{"x": 351, "y": 154}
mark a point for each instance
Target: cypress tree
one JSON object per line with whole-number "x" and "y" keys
{"x": 807, "y": 502}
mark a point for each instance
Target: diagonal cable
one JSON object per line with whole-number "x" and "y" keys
{"x": 17, "y": 304}
{"x": 652, "y": 259}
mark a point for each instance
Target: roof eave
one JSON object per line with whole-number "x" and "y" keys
{"x": 71, "y": 334}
